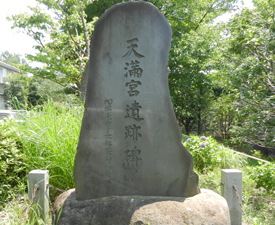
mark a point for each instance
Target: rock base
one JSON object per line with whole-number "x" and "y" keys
{"x": 204, "y": 208}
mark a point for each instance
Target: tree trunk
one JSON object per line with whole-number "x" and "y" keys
{"x": 199, "y": 122}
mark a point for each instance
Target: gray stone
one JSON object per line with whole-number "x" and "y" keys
{"x": 130, "y": 143}
{"x": 204, "y": 208}
{"x": 84, "y": 82}
{"x": 231, "y": 178}
{"x": 40, "y": 180}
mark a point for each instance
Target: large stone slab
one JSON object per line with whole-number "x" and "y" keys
{"x": 206, "y": 208}
{"x": 130, "y": 143}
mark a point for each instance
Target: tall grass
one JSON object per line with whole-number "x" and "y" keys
{"x": 14, "y": 213}
{"x": 49, "y": 137}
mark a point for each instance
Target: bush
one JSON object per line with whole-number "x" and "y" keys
{"x": 12, "y": 161}
{"x": 208, "y": 154}
{"x": 263, "y": 175}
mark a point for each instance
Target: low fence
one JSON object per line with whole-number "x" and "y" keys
{"x": 231, "y": 190}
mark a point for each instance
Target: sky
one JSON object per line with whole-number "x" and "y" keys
{"x": 10, "y": 39}
{"x": 19, "y": 43}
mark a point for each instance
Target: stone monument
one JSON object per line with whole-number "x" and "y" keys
{"x": 130, "y": 142}
{"x": 131, "y": 167}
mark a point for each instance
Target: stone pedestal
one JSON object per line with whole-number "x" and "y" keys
{"x": 205, "y": 208}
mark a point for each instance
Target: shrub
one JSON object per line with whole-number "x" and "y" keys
{"x": 12, "y": 160}
{"x": 263, "y": 175}
{"x": 208, "y": 154}
{"x": 202, "y": 152}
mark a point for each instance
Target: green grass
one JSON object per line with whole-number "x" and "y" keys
{"x": 258, "y": 203}
{"x": 14, "y": 213}
{"x": 49, "y": 137}
{"x": 258, "y": 194}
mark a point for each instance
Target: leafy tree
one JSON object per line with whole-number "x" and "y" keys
{"x": 25, "y": 90}
{"x": 190, "y": 86}
{"x": 12, "y": 58}
{"x": 191, "y": 58}
{"x": 62, "y": 33}
{"x": 70, "y": 23}
{"x": 21, "y": 91}
{"x": 249, "y": 74}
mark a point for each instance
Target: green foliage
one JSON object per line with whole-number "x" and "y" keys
{"x": 190, "y": 86}
{"x": 247, "y": 73}
{"x": 263, "y": 175}
{"x": 12, "y": 161}
{"x": 49, "y": 137}
{"x": 208, "y": 154}
{"x": 14, "y": 213}
{"x": 21, "y": 91}
{"x": 211, "y": 180}
{"x": 191, "y": 58}
{"x": 62, "y": 38}
{"x": 12, "y": 59}
{"x": 25, "y": 92}
{"x": 203, "y": 153}
{"x": 223, "y": 115}
{"x": 66, "y": 51}
{"x": 258, "y": 204}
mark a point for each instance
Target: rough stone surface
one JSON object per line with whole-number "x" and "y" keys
{"x": 205, "y": 208}
{"x": 40, "y": 178}
{"x": 130, "y": 143}
{"x": 84, "y": 82}
{"x": 230, "y": 178}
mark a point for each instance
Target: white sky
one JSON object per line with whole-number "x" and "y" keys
{"x": 19, "y": 43}
{"x": 10, "y": 39}
{"x": 225, "y": 17}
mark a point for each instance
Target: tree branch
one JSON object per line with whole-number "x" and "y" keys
{"x": 87, "y": 54}
{"x": 205, "y": 14}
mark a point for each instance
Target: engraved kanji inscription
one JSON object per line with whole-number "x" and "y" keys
{"x": 109, "y": 154}
{"x": 108, "y": 136}
{"x": 135, "y": 70}
{"x": 108, "y": 104}
{"x": 108, "y": 111}
{"x": 131, "y": 48}
{"x": 132, "y": 86}
{"x": 132, "y": 156}
{"x": 133, "y": 111}
{"x": 132, "y": 132}
{"x": 108, "y": 143}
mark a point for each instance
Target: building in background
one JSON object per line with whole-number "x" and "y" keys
{"x": 5, "y": 69}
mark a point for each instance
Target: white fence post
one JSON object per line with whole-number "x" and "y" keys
{"x": 40, "y": 178}
{"x": 231, "y": 178}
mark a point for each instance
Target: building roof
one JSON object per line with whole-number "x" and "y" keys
{"x": 9, "y": 67}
